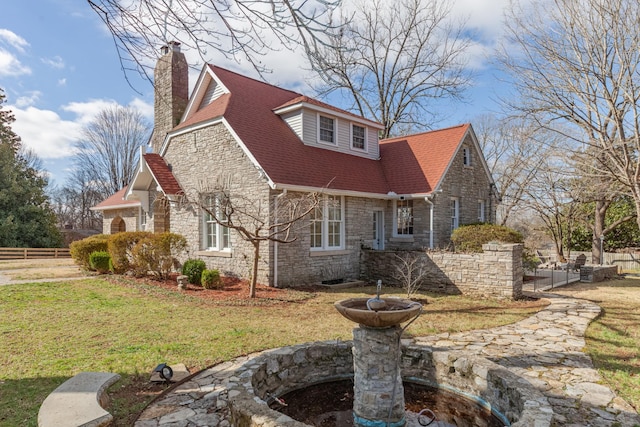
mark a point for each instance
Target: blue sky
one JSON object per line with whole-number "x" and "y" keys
{"x": 59, "y": 67}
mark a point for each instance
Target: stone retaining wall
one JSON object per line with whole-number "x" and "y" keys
{"x": 277, "y": 372}
{"x": 595, "y": 273}
{"x": 497, "y": 272}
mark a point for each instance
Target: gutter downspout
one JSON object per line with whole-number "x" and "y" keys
{"x": 275, "y": 244}
{"x": 428, "y": 200}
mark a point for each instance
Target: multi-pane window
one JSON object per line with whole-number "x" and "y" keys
{"x": 358, "y": 137}
{"x": 455, "y": 213}
{"x": 327, "y": 224}
{"x": 481, "y": 209}
{"x": 326, "y": 129}
{"x": 404, "y": 217}
{"x": 215, "y": 234}
{"x": 466, "y": 156}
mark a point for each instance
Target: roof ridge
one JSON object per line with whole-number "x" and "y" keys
{"x": 214, "y": 67}
{"x": 423, "y": 133}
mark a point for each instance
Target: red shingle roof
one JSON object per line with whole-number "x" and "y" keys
{"x": 161, "y": 172}
{"x": 116, "y": 201}
{"x": 278, "y": 150}
{"x": 408, "y": 165}
{"x": 416, "y": 163}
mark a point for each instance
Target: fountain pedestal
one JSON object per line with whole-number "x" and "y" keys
{"x": 377, "y": 381}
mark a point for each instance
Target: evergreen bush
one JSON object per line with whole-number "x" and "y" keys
{"x": 211, "y": 279}
{"x": 100, "y": 261}
{"x": 470, "y": 238}
{"x": 193, "y": 269}
{"x": 81, "y": 250}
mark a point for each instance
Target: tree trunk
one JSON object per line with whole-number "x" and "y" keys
{"x": 254, "y": 272}
{"x": 598, "y": 230}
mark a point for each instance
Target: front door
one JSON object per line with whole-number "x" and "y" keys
{"x": 378, "y": 230}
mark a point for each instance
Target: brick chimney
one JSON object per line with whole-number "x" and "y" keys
{"x": 171, "y": 81}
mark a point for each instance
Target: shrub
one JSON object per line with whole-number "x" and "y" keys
{"x": 157, "y": 254}
{"x": 81, "y": 250}
{"x": 470, "y": 238}
{"x": 193, "y": 269}
{"x": 211, "y": 279}
{"x": 100, "y": 261}
{"x": 120, "y": 246}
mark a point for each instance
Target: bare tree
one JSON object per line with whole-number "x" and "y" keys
{"x": 513, "y": 154}
{"x": 549, "y": 195}
{"x": 241, "y": 29}
{"x": 72, "y": 202}
{"x": 410, "y": 271}
{"x": 109, "y": 149}
{"x": 393, "y": 59}
{"x": 253, "y": 221}
{"x": 575, "y": 62}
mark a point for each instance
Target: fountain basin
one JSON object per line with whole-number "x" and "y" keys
{"x": 394, "y": 311}
{"x": 274, "y": 373}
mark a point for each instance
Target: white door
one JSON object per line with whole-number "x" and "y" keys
{"x": 378, "y": 230}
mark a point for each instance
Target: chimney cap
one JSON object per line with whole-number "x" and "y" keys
{"x": 172, "y": 46}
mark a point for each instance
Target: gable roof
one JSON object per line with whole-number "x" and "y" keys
{"x": 411, "y": 165}
{"x": 162, "y": 173}
{"x": 248, "y": 109}
{"x": 117, "y": 201}
{"x": 416, "y": 164}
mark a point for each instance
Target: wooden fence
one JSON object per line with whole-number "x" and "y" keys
{"x": 33, "y": 253}
{"x": 624, "y": 261}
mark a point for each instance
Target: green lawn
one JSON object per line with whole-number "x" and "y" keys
{"x": 52, "y": 331}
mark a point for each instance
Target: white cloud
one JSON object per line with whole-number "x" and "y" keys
{"x": 29, "y": 99}
{"x": 10, "y": 65}
{"x": 144, "y": 107}
{"x": 55, "y": 62}
{"x": 10, "y": 38}
{"x": 62, "y": 82}
{"x": 45, "y": 132}
{"x": 86, "y": 111}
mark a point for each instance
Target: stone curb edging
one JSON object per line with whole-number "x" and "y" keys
{"x": 78, "y": 402}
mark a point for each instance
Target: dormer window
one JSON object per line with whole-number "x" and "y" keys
{"x": 326, "y": 130}
{"x": 358, "y": 137}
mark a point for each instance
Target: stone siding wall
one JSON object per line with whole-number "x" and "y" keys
{"x": 298, "y": 265}
{"x": 200, "y": 161}
{"x": 129, "y": 215}
{"x": 467, "y": 183}
{"x": 496, "y": 273}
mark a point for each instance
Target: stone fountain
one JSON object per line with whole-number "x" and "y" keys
{"x": 378, "y": 390}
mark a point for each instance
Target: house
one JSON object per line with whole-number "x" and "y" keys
{"x": 267, "y": 142}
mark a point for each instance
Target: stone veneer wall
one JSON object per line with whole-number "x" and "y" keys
{"x": 129, "y": 215}
{"x": 298, "y": 265}
{"x": 200, "y": 160}
{"x": 597, "y": 273}
{"x": 497, "y": 272}
{"x": 276, "y": 372}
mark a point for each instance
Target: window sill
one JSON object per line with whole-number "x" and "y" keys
{"x": 329, "y": 252}
{"x": 401, "y": 239}
{"x": 219, "y": 254}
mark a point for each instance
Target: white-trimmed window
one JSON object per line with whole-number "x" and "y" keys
{"x": 358, "y": 137}
{"x": 404, "y": 218}
{"x": 143, "y": 220}
{"x": 215, "y": 235}
{"x": 455, "y": 213}
{"x": 481, "y": 210}
{"x": 326, "y": 129}
{"x": 466, "y": 156}
{"x": 327, "y": 224}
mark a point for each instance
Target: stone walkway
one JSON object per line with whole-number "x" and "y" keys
{"x": 545, "y": 349}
